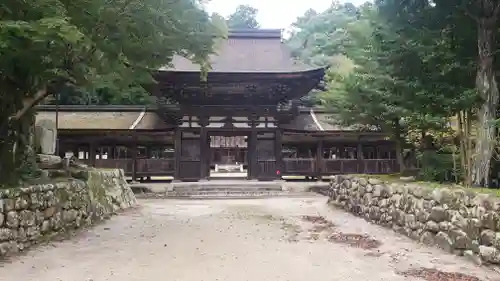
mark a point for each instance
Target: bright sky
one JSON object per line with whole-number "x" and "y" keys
{"x": 273, "y": 13}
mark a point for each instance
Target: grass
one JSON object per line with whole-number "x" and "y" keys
{"x": 397, "y": 179}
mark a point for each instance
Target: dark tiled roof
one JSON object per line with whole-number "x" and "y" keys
{"x": 124, "y": 118}
{"x": 312, "y": 121}
{"x": 247, "y": 51}
{"x": 151, "y": 120}
{"x": 104, "y": 120}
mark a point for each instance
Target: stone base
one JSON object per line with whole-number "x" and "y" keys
{"x": 30, "y": 214}
{"x": 459, "y": 221}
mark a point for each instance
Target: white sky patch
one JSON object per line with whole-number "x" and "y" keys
{"x": 278, "y": 14}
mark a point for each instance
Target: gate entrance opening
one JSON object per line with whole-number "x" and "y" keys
{"x": 228, "y": 156}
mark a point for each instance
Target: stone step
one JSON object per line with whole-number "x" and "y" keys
{"x": 228, "y": 188}
{"x": 224, "y": 195}
{"x": 234, "y": 186}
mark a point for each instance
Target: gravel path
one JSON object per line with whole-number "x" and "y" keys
{"x": 234, "y": 240}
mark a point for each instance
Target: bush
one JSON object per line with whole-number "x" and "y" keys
{"x": 439, "y": 166}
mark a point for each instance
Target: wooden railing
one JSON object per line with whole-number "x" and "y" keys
{"x": 145, "y": 167}
{"x": 299, "y": 165}
{"x": 267, "y": 169}
{"x": 158, "y": 167}
{"x": 309, "y": 166}
{"x": 291, "y": 166}
{"x": 125, "y": 164}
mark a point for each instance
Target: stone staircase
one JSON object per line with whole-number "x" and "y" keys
{"x": 223, "y": 189}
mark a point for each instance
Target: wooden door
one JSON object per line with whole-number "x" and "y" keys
{"x": 189, "y": 164}
{"x": 265, "y": 153}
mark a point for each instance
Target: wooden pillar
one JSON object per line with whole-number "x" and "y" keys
{"x": 278, "y": 147}
{"x": 252, "y": 157}
{"x": 319, "y": 159}
{"x": 177, "y": 152}
{"x": 75, "y": 151}
{"x": 92, "y": 155}
{"x": 134, "y": 151}
{"x": 359, "y": 156}
{"x": 204, "y": 148}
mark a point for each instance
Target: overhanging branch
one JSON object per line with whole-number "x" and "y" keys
{"x": 29, "y": 103}
{"x": 468, "y": 13}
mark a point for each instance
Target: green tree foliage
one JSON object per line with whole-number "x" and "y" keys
{"x": 245, "y": 17}
{"x": 313, "y": 36}
{"x": 467, "y": 47}
{"x": 411, "y": 71}
{"x": 50, "y": 45}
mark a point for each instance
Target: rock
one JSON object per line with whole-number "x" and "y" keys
{"x": 438, "y": 214}
{"x": 489, "y": 254}
{"x": 444, "y": 226}
{"x": 346, "y": 184}
{"x": 411, "y": 222}
{"x": 28, "y": 212}
{"x": 442, "y": 195}
{"x": 45, "y": 226}
{"x": 362, "y": 182}
{"x": 484, "y": 200}
{"x": 496, "y": 240}
{"x": 444, "y": 242}
{"x": 407, "y": 179}
{"x": 460, "y": 239}
{"x": 459, "y": 221}
{"x": 26, "y": 218}
{"x": 12, "y": 220}
{"x": 46, "y": 161}
{"x": 487, "y": 237}
{"x": 354, "y": 186}
{"x": 35, "y": 201}
{"x": 490, "y": 220}
{"x": 49, "y": 212}
{"x": 427, "y": 238}
{"x": 432, "y": 226}
{"x": 45, "y": 136}
{"x": 9, "y": 204}
{"x": 6, "y": 234}
{"x": 4, "y": 248}
{"x": 374, "y": 181}
{"x": 422, "y": 216}
{"x": 475, "y": 246}
{"x": 472, "y": 228}
{"x": 470, "y": 255}
{"x": 459, "y": 198}
{"x": 384, "y": 203}
{"x": 377, "y": 190}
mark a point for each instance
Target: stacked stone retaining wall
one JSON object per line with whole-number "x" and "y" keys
{"x": 459, "y": 221}
{"x": 35, "y": 213}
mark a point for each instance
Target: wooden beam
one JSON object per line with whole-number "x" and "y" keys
{"x": 319, "y": 159}
{"x": 178, "y": 151}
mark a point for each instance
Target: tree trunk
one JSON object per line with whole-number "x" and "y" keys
{"x": 399, "y": 145}
{"x": 17, "y": 154}
{"x": 487, "y": 88}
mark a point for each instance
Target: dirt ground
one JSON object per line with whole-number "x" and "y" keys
{"x": 293, "y": 239}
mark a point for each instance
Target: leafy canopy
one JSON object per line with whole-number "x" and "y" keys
{"x": 97, "y": 43}
{"x": 51, "y": 46}
{"x": 245, "y": 17}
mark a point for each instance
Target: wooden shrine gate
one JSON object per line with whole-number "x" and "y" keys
{"x": 188, "y": 156}
{"x": 265, "y": 155}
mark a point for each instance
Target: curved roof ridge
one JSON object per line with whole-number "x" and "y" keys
{"x": 315, "y": 119}
{"x": 138, "y": 120}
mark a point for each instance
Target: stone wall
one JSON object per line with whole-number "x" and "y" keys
{"x": 36, "y": 213}
{"x": 459, "y": 221}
